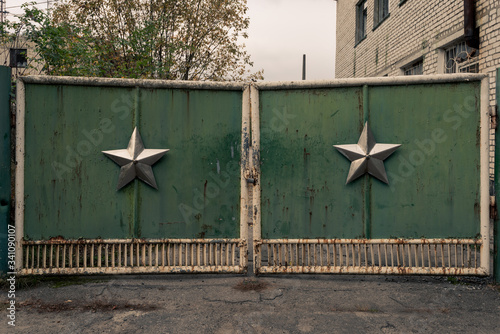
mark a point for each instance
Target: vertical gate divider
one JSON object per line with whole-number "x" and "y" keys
{"x": 136, "y": 118}
{"x": 255, "y": 164}
{"x": 244, "y": 168}
{"x": 368, "y": 179}
{"x": 484, "y": 176}
{"x": 19, "y": 183}
{"x": 496, "y": 259}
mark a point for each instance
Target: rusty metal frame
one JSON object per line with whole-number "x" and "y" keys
{"x": 481, "y": 265}
{"x": 128, "y": 256}
{"x": 255, "y": 171}
{"x": 26, "y": 251}
{"x": 232, "y": 253}
{"x": 372, "y": 256}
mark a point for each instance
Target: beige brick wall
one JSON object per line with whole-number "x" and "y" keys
{"x": 416, "y": 29}
{"x": 20, "y": 43}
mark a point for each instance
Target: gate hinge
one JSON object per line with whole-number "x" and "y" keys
{"x": 250, "y": 177}
{"x": 493, "y": 116}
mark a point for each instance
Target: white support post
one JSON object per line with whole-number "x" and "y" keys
{"x": 19, "y": 183}
{"x": 254, "y": 106}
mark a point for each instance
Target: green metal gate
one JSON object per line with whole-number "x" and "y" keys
{"x": 75, "y": 220}
{"x": 77, "y": 143}
{"x": 431, "y": 217}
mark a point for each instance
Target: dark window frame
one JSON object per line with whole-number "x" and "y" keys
{"x": 415, "y": 68}
{"x": 361, "y": 21}
{"x": 380, "y": 12}
{"x": 18, "y": 58}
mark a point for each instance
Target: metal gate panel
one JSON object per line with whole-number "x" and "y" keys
{"x": 71, "y": 219}
{"x": 432, "y": 218}
{"x": 434, "y": 188}
{"x": 74, "y": 219}
{"x": 300, "y": 180}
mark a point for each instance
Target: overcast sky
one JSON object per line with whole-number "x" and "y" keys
{"x": 281, "y": 31}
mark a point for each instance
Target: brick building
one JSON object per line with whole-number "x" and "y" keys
{"x": 407, "y": 37}
{"x": 15, "y": 53}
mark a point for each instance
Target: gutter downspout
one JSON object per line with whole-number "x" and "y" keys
{"x": 471, "y": 33}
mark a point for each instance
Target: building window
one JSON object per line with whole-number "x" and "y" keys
{"x": 461, "y": 58}
{"x": 416, "y": 68}
{"x": 361, "y": 13}
{"x": 381, "y": 12}
{"x": 18, "y": 58}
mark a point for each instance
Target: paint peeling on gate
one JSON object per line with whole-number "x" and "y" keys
{"x": 437, "y": 178}
{"x": 271, "y": 140}
{"x": 70, "y": 186}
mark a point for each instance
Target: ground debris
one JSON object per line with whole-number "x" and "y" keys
{"x": 100, "y": 306}
{"x": 251, "y": 285}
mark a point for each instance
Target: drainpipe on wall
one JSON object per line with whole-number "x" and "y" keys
{"x": 470, "y": 31}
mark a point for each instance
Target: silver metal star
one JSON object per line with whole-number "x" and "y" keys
{"x": 136, "y": 161}
{"x": 367, "y": 156}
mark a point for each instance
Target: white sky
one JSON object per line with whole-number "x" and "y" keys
{"x": 281, "y": 31}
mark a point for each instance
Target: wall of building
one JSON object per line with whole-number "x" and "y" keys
{"x": 415, "y": 29}
{"x": 33, "y": 67}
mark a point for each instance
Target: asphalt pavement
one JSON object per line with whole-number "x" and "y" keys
{"x": 241, "y": 304}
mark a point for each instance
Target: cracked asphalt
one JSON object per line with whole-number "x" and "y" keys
{"x": 271, "y": 304}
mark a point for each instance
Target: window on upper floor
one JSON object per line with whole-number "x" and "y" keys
{"x": 461, "y": 58}
{"x": 18, "y": 58}
{"x": 361, "y": 14}
{"x": 381, "y": 12}
{"x": 416, "y": 68}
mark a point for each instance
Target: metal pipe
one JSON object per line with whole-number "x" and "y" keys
{"x": 19, "y": 172}
{"x": 255, "y": 109}
{"x": 496, "y": 247}
{"x": 374, "y": 241}
{"x": 143, "y": 83}
{"x": 245, "y": 167}
{"x": 128, "y": 241}
{"x": 485, "y": 182}
{"x": 371, "y": 270}
{"x": 471, "y": 33}
{"x": 303, "y": 67}
{"x": 373, "y": 81}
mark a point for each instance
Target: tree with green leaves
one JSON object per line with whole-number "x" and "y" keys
{"x": 163, "y": 39}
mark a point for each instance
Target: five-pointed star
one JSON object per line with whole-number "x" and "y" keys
{"x": 367, "y": 156}
{"x": 135, "y": 161}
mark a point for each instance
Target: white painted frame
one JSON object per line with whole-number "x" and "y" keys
{"x": 158, "y": 84}
{"x": 250, "y": 167}
{"x": 388, "y": 81}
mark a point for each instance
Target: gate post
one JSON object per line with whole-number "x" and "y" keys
{"x": 5, "y": 189}
{"x": 496, "y": 242}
